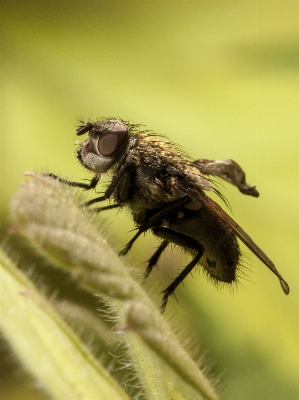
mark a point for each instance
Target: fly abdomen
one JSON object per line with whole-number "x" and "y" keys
{"x": 221, "y": 250}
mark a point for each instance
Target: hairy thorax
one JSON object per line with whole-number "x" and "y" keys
{"x": 160, "y": 172}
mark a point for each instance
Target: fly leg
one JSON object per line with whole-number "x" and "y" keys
{"x": 154, "y": 258}
{"x": 109, "y": 207}
{"x": 87, "y": 186}
{"x": 228, "y": 170}
{"x": 121, "y": 174}
{"x": 155, "y": 218}
{"x": 184, "y": 241}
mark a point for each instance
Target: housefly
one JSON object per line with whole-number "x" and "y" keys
{"x": 165, "y": 193}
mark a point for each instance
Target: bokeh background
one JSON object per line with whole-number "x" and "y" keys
{"x": 221, "y": 78}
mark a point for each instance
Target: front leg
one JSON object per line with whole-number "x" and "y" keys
{"x": 120, "y": 173}
{"x": 87, "y": 186}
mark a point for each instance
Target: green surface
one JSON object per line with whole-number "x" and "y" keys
{"x": 219, "y": 78}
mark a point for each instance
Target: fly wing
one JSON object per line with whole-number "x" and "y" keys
{"x": 228, "y": 170}
{"x": 238, "y": 231}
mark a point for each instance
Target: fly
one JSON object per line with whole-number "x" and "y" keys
{"x": 165, "y": 192}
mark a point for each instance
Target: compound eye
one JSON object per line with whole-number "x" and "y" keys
{"x": 111, "y": 141}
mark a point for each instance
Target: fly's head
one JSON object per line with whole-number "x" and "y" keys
{"x": 105, "y": 145}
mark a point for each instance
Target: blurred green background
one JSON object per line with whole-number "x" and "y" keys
{"x": 221, "y": 78}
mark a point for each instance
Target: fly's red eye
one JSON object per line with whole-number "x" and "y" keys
{"x": 111, "y": 141}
